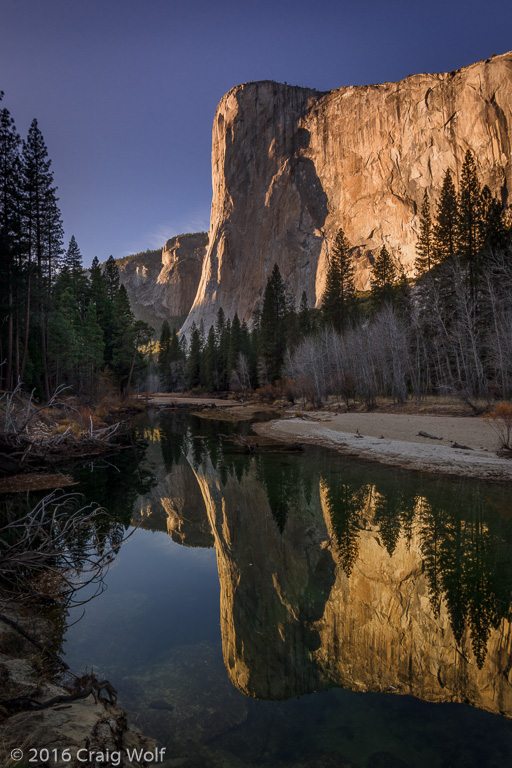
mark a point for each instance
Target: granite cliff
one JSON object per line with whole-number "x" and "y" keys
{"x": 162, "y": 284}
{"x": 291, "y": 165}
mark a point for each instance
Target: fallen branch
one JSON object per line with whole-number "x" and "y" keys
{"x": 426, "y": 434}
{"x": 49, "y": 654}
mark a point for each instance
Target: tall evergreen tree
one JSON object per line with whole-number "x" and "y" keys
{"x": 272, "y": 331}
{"x": 424, "y": 246}
{"x": 164, "y": 358}
{"x": 470, "y": 222}
{"x": 74, "y": 275}
{"x": 92, "y": 347}
{"x": 44, "y": 237}
{"x": 10, "y": 248}
{"x": 339, "y": 288}
{"x": 112, "y": 278}
{"x": 194, "y": 358}
{"x": 210, "y": 353}
{"x": 123, "y": 337}
{"x": 235, "y": 343}
{"x": 305, "y": 325}
{"x": 446, "y": 226}
{"x": 384, "y": 278}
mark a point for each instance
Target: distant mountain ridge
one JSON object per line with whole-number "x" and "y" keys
{"x": 162, "y": 284}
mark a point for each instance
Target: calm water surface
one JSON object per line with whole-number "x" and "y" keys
{"x": 301, "y": 610}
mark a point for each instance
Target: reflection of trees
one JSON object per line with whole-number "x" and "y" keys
{"x": 282, "y": 480}
{"x": 345, "y": 507}
{"x": 115, "y": 485}
{"x": 465, "y": 546}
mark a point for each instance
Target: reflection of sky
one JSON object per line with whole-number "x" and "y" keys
{"x": 125, "y": 91}
{"x": 158, "y": 594}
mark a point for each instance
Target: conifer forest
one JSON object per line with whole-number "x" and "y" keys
{"x": 60, "y": 326}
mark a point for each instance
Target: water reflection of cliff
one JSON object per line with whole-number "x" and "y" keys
{"x": 333, "y": 573}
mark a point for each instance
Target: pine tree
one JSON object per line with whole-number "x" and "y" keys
{"x": 164, "y": 359}
{"x": 10, "y": 247}
{"x": 235, "y": 341}
{"x": 384, "y": 278}
{"x": 272, "y": 331}
{"x": 304, "y": 316}
{"x": 210, "y": 353}
{"x": 112, "y": 278}
{"x": 124, "y": 322}
{"x": 63, "y": 339}
{"x": 424, "y": 247}
{"x": 470, "y": 222}
{"x": 194, "y": 358}
{"x": 72, "y": 268}
{"x": 43, "y": 228}
{"x": 92, "y": 347}
{"x": 446, "y": 226}
{"x": 291, "y": 320}
{"x": 339, "y": 287}
{"x": 104, "y": 308}
{"x": 494, "y": 235}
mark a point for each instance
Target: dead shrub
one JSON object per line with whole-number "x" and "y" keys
{"x": 501, "y": 422}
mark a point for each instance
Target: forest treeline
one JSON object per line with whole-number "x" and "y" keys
{"x": 448, "y": 330}
{"x": 59, "y": 326}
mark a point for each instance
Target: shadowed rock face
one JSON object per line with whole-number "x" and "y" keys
{"x": 318, "y": 605}
{"x": 176, "y": 505}
{"x": 291, "y": 165}
{"x": 164, "y": 286}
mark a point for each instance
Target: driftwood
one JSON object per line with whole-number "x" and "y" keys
{"x": 462, "y": 447}
{"x": 426, "y": 434}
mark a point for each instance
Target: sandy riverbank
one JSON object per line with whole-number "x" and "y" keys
{"x": 393, "y": 439}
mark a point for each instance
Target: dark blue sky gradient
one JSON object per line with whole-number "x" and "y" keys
{"x": 125, "y": 90}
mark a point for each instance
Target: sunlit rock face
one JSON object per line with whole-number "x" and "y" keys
{"x": 291, "y": 165}
{"x": 379, "y": 631}
{"x": 360, "y": 604}
{"x": 163, "y": 286}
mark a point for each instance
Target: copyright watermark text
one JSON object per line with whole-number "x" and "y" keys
{"x": 112, "y": 758}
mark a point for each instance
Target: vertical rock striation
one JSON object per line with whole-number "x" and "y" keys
{"x": 291, "y": 165}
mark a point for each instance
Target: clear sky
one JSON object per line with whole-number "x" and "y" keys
{"x": 125, "y": 91}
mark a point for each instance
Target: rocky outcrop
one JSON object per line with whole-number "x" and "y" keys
{"x": 162, "y": 285}
{"x": 68, "y": 732}
{"x": 291, "y": 165}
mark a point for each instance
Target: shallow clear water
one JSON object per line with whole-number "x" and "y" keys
{"x": 301, "y": 610}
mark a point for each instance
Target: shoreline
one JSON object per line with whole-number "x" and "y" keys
{"x": 393, "y": 439}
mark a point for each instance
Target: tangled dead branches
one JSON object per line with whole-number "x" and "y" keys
{"x": 52, "y": 552}
{"x": 27, "y": 442}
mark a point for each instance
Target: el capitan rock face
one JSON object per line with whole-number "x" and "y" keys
{"x": 291, "y": 165}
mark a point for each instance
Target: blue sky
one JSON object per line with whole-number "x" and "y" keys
{"x": 125, "y": 91}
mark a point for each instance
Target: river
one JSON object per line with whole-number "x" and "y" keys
{"x": 301, "y": 610}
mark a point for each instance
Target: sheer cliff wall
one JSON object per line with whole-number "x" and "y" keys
{"x": 291, "y": 165}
